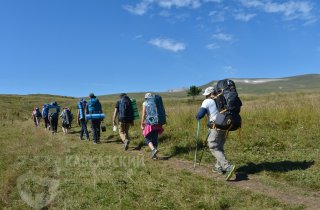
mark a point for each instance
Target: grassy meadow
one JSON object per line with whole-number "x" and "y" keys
{"x": 278, "y": 147}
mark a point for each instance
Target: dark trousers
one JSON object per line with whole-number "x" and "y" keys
{"x": 152, "y": 137}
{"x": 54, "y": 124}
{"x": 46, "y": 122}
{"x": 84, "y": 129}
{"x": 95, "y": 127}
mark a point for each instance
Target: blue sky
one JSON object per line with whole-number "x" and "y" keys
{"x": 74, "y": 47}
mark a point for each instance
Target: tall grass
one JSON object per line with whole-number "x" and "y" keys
{"x": 279, "y": 144}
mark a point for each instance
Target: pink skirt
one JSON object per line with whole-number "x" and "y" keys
{"x": 148, "y": 128}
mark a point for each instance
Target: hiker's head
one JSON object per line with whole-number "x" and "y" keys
{"x": 209, "y": 91}
{"x": 54, "y": 103}
{"x": 91, "y": 95}
{"x": 122, "y": 94}
{"x": 147, "y": 95}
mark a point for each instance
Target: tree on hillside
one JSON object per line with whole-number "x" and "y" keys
{"x": 194, "y": 91}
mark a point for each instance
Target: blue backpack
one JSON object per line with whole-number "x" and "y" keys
{"x": 45, "y": 110}
{"x": 94, "y": 106}
{"x": 155, "y": 111}
{"x": 125, "y": 110}
{"x": 82, "y": 114}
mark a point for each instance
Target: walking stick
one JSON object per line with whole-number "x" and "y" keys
{"x": 204, "y": 147}
{"x": 197, "y": 138}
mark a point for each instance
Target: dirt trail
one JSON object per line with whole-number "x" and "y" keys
{"x": 289, "y": 195}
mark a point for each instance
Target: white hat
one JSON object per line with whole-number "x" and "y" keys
{"x": 208, "y": 91}
{"x": 148, "y": 95}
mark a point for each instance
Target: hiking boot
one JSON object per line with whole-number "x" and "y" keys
{"x": 218, "y": 170}
{"x": 126, "y": 144}
{"x": 154, "y": 153}
{"x": 230, "y": 171}
{"x": 80, "y": 138}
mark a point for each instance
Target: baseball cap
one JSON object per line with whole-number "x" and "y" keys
{"x": 208, "y": 91}
{"x": 148, "y": 95}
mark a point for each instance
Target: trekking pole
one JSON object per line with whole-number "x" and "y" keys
{"x": 195, "y": 154}
{"x": 204, "y": 147}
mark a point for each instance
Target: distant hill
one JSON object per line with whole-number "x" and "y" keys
{"x": 244, "y": 86}
{"x": 247, "y": 86}
{"x": 267, "y": 85}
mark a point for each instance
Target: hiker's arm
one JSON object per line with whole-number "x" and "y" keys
{"x": 143, "y": 116}
{"x": 115, "y": 116}
{"x": 202, "y": 112}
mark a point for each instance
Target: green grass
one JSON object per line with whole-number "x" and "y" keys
{"x": 279, "y": 144}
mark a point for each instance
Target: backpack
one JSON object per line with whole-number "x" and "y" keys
{"x": 67, "y": 116}
{"x": 135, "y": 109}
{"x": 53, "y": 111}
{"x": 162, "y": 117}
{"x": 229, "y": 106}
{"x": 45, "y": 110}
{"x": 125, "y": 110}
{"x": 155, "y": 112}
{"x": 94, "y": 106}
{"x": 37, "y": 113}
{"x": 81, "y": 108}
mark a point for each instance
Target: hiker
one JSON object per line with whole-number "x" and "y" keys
{"x": 45, "y": 110}
{"x": 36, "y": 116}
{"x": 150, "y": 128}
{"x": 124, "y": 111}
{"x": 94, "y": 107}
{"x": 66, "y": 116}
{"x": 216, "y": 138}
{"x": 53, "y": 114}
{"x": 81, "y": 119}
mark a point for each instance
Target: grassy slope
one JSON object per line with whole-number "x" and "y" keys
{"x": 279, "y": 144}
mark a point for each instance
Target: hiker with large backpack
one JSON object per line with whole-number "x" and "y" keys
{"x": 124, "y": 111}
{"x": 45, "y": 110}
{"x": 81, "y": 119}
{"x": 153, "y": 117}
{"x": 36, "y": 116}
{"x": 94, "y": 107}
{"x": 53, "y": 115}
{"x": 216, "y": 137}
{"x": 67, "y": 117}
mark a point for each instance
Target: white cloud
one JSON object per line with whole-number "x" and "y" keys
{"x": 244, "y": 17}
{"x": 230, "y": 70}
{"x": 222, "y": 36}
{"x": 140, "y": 8}
{"x": 168, "y": 44}
{"x": 165, "y": 13}
{"x": 138, "y": 36}
{"x": 144, "y": 5}
{"x": 290, "y": 10}
{"x": 178, "y": 3}
{"x": 217, "y": 16}
{"x": 212, "y": 46}
{"x": 214, "y": 1}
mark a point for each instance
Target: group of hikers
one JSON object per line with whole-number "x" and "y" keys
{"x": 50, "y": 114}
{"x": 221, "y": 105}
